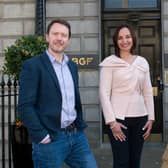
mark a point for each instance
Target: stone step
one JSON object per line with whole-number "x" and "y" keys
{"x": 165, "y": 157}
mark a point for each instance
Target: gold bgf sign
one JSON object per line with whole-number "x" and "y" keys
{"x": 85, "y": 61}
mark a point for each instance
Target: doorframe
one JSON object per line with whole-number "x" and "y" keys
{"x": 163, "y": 74}
{"x": 162, "y": 59}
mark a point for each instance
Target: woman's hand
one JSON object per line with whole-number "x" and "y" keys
{"x": 147, "y": 128}
{"x": 116, "y": 128}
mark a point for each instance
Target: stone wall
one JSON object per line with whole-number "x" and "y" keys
{"x": 17, "y": 19}
{"x": 165, "y": 68}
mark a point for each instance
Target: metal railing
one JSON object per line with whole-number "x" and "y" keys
{"x": 8, "y": 110}
{"x": 40, "y": 18}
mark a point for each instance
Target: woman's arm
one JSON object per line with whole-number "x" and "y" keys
{"x": 148, "y": 96}
{"x": 105, "y": 91}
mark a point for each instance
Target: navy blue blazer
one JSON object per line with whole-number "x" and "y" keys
{"x": 40, "y": 99}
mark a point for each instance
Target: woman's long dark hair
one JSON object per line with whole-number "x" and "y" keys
{"x": 115, "y": 39}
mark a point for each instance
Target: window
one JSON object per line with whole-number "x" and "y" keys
{"x": 113, "y": 3}
{"x": 122, "y": 4}
{"x": 142, "y": 3}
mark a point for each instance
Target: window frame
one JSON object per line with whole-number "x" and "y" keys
{"x": 125, "y": 8}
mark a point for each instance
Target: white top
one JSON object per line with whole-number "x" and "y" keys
{"x": 125, "y": 89}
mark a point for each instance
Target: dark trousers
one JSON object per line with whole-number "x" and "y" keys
{"x": 127, "y": 154}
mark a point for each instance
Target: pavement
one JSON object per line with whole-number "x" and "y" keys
{"x": 151, "y": 156}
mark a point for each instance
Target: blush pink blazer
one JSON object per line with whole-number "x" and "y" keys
{"x": 125, "y": 89}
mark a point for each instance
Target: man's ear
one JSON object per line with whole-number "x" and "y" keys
{"x": 46, "y": 37}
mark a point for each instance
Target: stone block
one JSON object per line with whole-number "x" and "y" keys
{"x": 29, "y": 10}
{"x": 89, "y": 95}
{"x": 91, "y": 78}
{"x": 9, "y": 11}
{"x": 81, "y": 81}
{"x": 1, "y": 10}
{"x": 75, "y": 45}
{"x": 12, "y": 28}
{"x": 91, "y": 44}
{"x": 165, "y": 24}
{"x": 75, "y": 26}
{"x": 166, "y": 94}
{"x": 166, "y": 109}
{"x": 166, "y": 131}
{"x": 166, "y": 73}
{"x": 1, "y": 45}
{"x": 93, "y": 133}
{"x": 26, "y": 10}
{"x": 84, "y": 26}
{"x": 62, "y": 9}
{"x": 91, "y": 113}
{"x": 165, "y": 7}
{"x": 89, "y": 26}
{"x": 91, "y": 9}
{"x": 88, "y": 78}
{"x": 29, "y": 27}
{"x": 165, "y": 43}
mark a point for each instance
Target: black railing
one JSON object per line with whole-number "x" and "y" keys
{"x": 8, "y": 103}
{"x": 40, "y": 19}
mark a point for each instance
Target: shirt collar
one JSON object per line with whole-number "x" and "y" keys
{"x": 53, "y": 60}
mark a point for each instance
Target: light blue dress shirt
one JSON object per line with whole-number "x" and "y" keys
{"x": 68, "y": 113}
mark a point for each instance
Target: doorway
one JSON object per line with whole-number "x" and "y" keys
{"x": 147, "y": 27}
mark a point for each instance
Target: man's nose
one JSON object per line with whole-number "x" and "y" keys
{"x": 59, "y": 37}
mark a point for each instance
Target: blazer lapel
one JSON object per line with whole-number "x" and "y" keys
{"x": 45, "y": 60}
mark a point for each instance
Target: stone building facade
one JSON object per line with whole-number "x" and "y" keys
{"x": 17, "y": 18}
{"x": 165, "y": 68}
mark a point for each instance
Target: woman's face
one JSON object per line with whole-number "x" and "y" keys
{"x": 124, "y": 41}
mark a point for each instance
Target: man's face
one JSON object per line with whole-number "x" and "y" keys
{"x": 58, "y": 38}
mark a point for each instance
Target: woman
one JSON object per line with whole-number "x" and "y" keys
{"x": 127, "y": 100}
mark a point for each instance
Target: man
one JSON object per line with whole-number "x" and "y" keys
{"x": 50, "y": 105}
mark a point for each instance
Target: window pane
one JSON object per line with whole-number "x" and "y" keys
{"x": 113, "y": 4}
{"x": 142, "y": 3}
{"x": 130, "y": 4}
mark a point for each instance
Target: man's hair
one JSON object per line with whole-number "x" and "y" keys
{"x": 60, "y": 21}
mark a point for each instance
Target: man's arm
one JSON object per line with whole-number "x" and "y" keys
{"x": 28, "y": 95}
